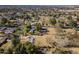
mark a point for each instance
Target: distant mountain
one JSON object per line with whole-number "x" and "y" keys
{"x": 38, "y": 6}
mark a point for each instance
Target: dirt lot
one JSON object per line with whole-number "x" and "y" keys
{"x": 42, "y": 40}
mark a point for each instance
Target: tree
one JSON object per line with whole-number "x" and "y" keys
{"x": 52, "y": 21}
{"x": 23, "y": 48}
{"x": 3, "y": 21}
{"x": 30, "y": 48}
{"x": 77, "y": 18}
{"x": 26, "y": 28}
{"x": 72, "y": 24}
{"x": 38, "y": 26}
{"x": 15, "y": 40}
{"x": 18, "y": 31}
{"x": 12, "y": 18}
{"x": 69, "y": 17}
{"x": 20, "y": 49}
{"x": 61, "y": 24}
{"x": 9, "y": 51}
{"x": 1, "y": 50}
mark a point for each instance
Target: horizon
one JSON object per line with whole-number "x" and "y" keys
{"x": 31, "y": 6}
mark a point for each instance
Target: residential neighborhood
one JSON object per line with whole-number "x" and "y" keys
{"x": 38, "y": 29}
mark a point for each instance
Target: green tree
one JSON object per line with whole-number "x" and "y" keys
{"x": 15, "y": 40}
{"x": 69, "y": 17}
{"x": 20, "y": 49}
{"x": 77, "y": 18}
{"x": 18, "y": 31}
{"x": 9, "y": 51}
{"x": 1, "y": 50}
{"x": 38, "y": 26}
{"x": 52, "y": 21}
{"x": 72, "y": 24}
{"x": 26, "y": 28}
{"x": 30, "y": 48}
{"x": 3, "y": 21}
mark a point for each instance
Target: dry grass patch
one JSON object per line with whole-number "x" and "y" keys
{"x": 6, "y": 45}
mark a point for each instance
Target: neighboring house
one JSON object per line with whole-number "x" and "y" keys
{"x": 19, "y": 21}
{"x": 8, "y": 39}
{"x": 32, "y": 30}
{"x": 2, "y": 28}
{"x": 9, "y": 30}
{"x": 43, "y": 30}
{"x": 31, "y": 39}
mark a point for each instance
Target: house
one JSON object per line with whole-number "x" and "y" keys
{"x": 31, "y": 39}
{"x": 2, "y": 28}
{"x": 8, "y": 39}
{"x": 32, "y": 30}
{"x": 43, "y": 30}
{"x": 9, "y": 30}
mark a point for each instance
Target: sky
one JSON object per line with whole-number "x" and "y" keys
{"x": 39, "y": 2}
